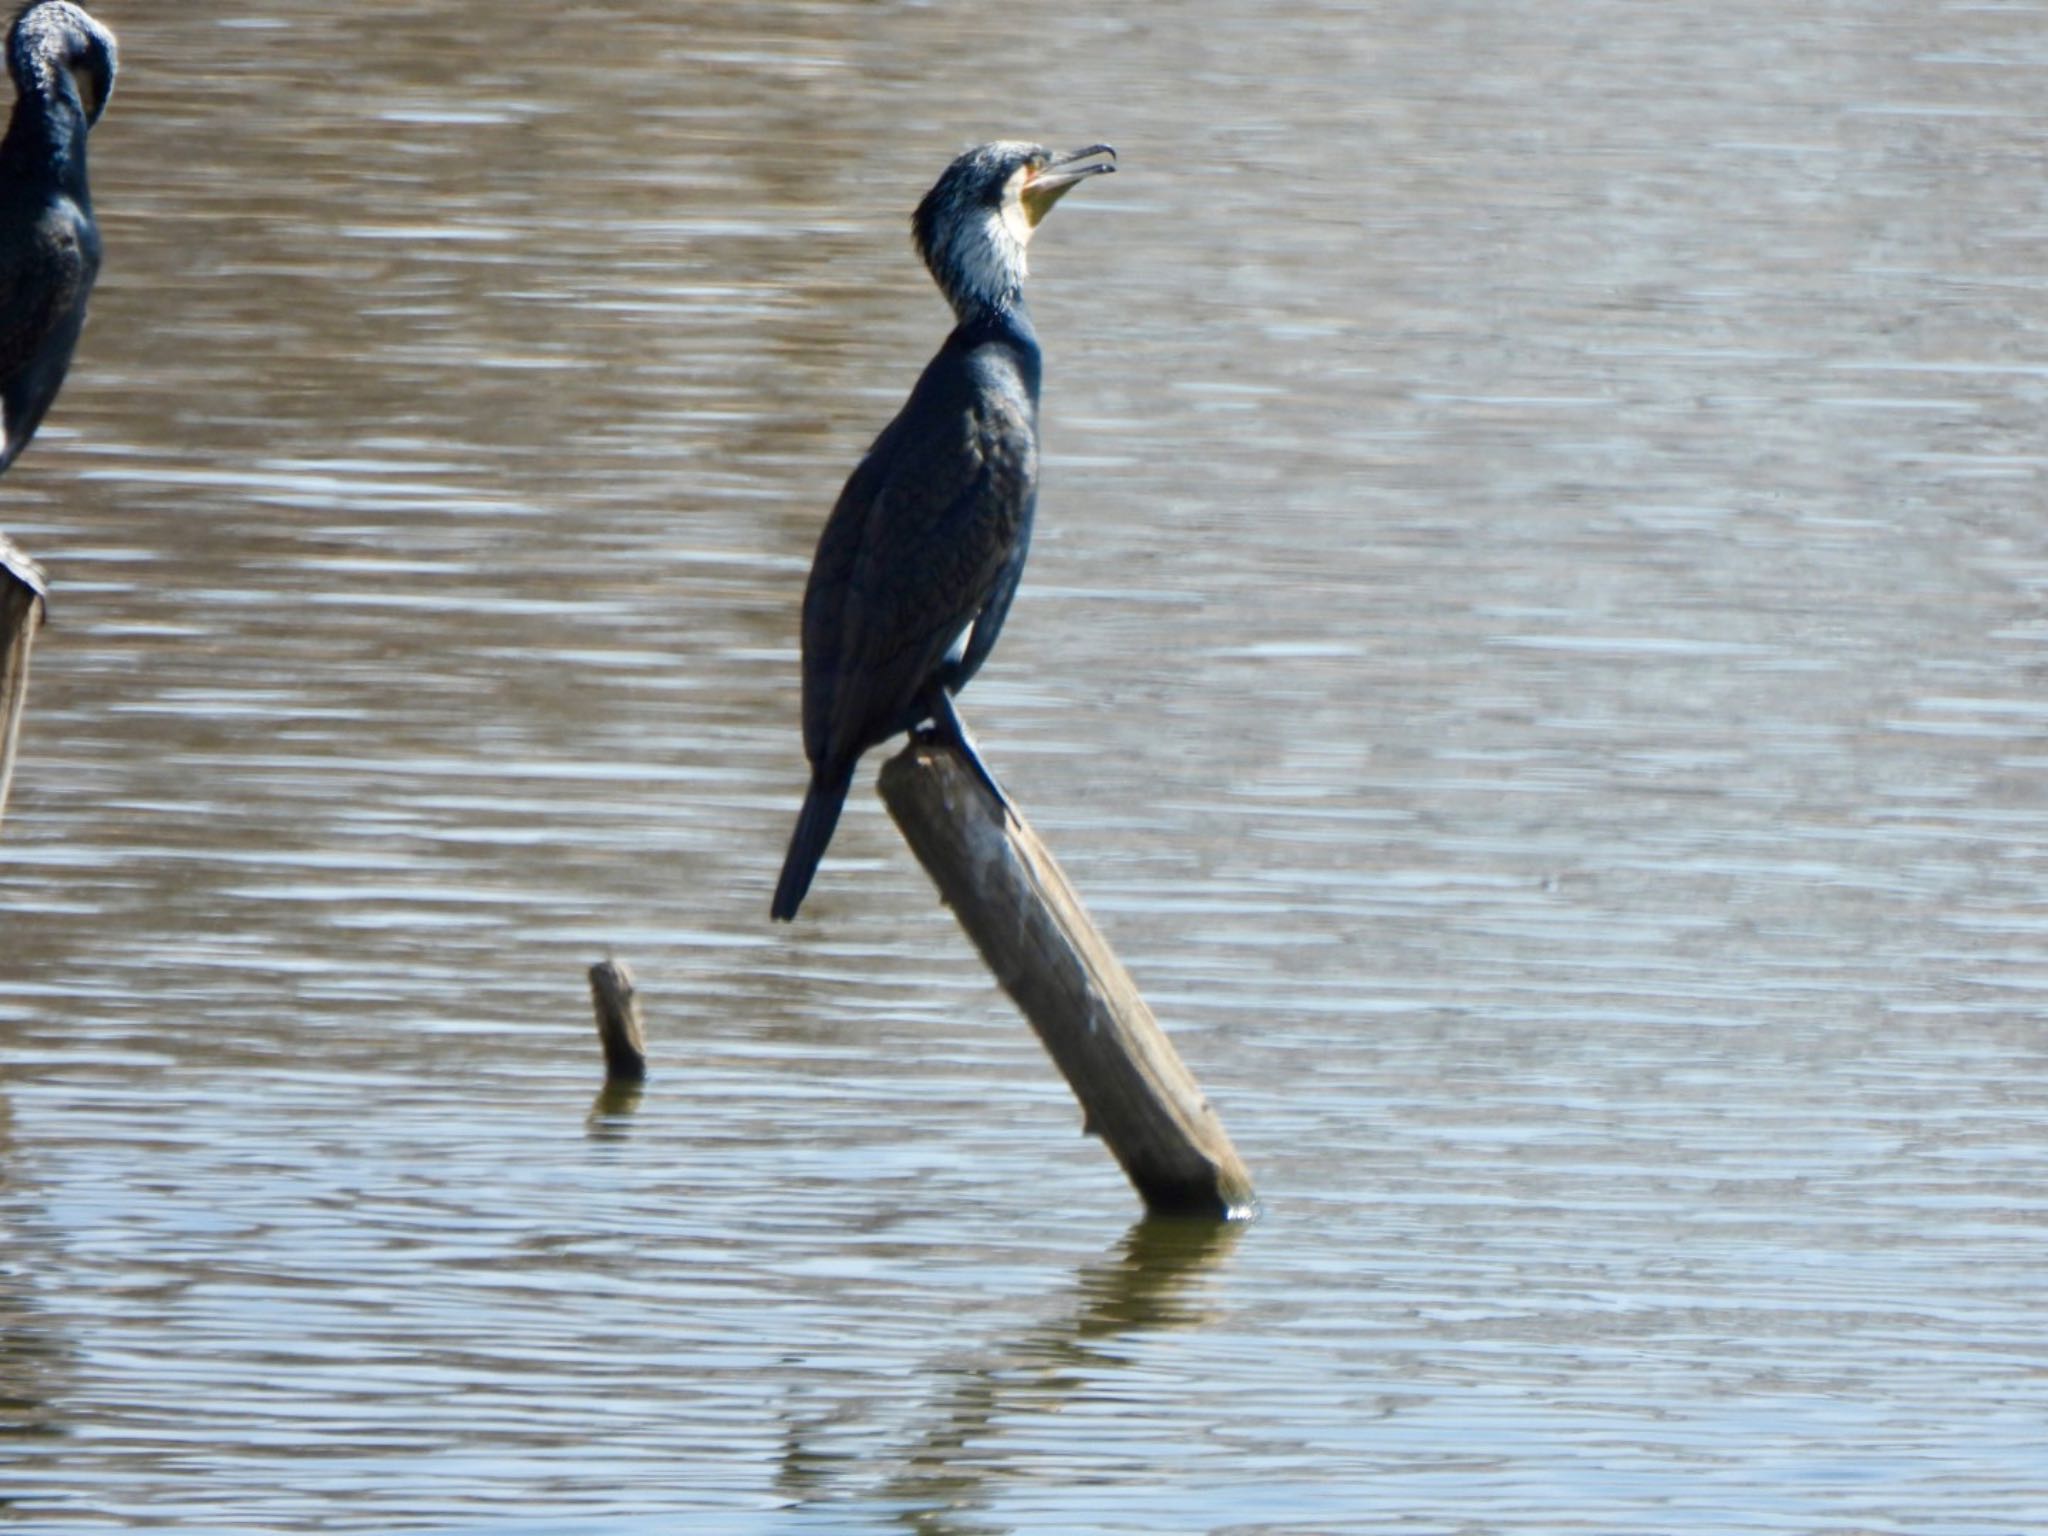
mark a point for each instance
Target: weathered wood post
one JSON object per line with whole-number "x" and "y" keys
{"x": 619, "y": 1029}
{"x": 1017, "y": 907}
{"x": 21, "y": 614}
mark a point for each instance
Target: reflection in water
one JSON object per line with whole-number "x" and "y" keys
{"x": 33, "y": 1352}
{"x": 611, "y": 1111}
{"x": 1147, "y": 1283}
{"x": 1150, "y": 1282}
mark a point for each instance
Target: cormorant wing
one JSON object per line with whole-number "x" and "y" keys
{"x": 922, "y": 534}
{"x": 44, "y": 280}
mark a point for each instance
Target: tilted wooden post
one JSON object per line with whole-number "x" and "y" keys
{"x": 1017, "y": 907}
{"x": 21, "y": 613}
{"x": 619, "y": 1029}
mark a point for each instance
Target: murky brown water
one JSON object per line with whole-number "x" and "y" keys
{"x": 1534, "y": 650}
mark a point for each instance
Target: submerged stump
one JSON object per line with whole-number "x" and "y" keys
{"x": 21, "y": 614}
{"x": 619, "y": 1029}
{"x": 1008, "y": 893}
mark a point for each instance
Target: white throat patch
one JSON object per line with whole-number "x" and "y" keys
{"x": 990, "y": 255}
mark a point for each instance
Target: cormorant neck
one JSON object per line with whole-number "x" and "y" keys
{"x": 48, "y": 128}
{"x": 1004, "y": 310}
{"x": 979, "y": 266}
{"x": 1008, "y": 323}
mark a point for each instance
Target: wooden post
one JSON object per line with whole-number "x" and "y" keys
{"x": 618, "y": 1021}
{"x": 1017, "y": 907}
{"x": 21, "y": 613}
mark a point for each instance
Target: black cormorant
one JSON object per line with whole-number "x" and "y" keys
{"x": 63, "y": 67}
{"x": 920, "y": 558}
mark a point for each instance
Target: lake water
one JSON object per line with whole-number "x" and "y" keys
{"x": 1535, "y": 654}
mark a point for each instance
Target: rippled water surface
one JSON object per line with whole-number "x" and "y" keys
{"x": 1534, "y": 652}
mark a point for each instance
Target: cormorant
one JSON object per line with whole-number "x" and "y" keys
{"x": 920, "y": 557}
{"x": 63, "y": 67}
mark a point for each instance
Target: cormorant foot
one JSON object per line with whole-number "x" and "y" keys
{"x": 950, "y": 730}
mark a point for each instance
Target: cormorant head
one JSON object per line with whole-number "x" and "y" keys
{"x": 54, "y": 44}
{"x": 974, "y": 224}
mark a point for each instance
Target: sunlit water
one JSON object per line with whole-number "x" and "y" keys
{"x": 1534, "y": 652}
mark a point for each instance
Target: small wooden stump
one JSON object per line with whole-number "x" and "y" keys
{"x": 21, "y": 614}
{"x": 618, "y": 1021}
{"x": 1017, "y": 907}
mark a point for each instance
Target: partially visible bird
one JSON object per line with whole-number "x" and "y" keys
{"x": 921, "y": 556}
{"x": 63, "y": 67}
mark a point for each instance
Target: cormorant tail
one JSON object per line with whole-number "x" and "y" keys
{"x": 814, "y": 823}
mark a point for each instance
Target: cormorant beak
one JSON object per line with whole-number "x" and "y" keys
{"x": 1061, "y": 173}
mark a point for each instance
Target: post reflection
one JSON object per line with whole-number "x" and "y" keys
{"x": 32, "y": 1352}
{"x": 611, "y": 1111}
{"x": 1150, "y": 1281}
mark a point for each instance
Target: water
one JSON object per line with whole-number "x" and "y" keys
{"x": 1534, "y": 652}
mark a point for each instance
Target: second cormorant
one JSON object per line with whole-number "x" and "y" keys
{"x": 920, "y": 558}
{"x": 62, "y": 62}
